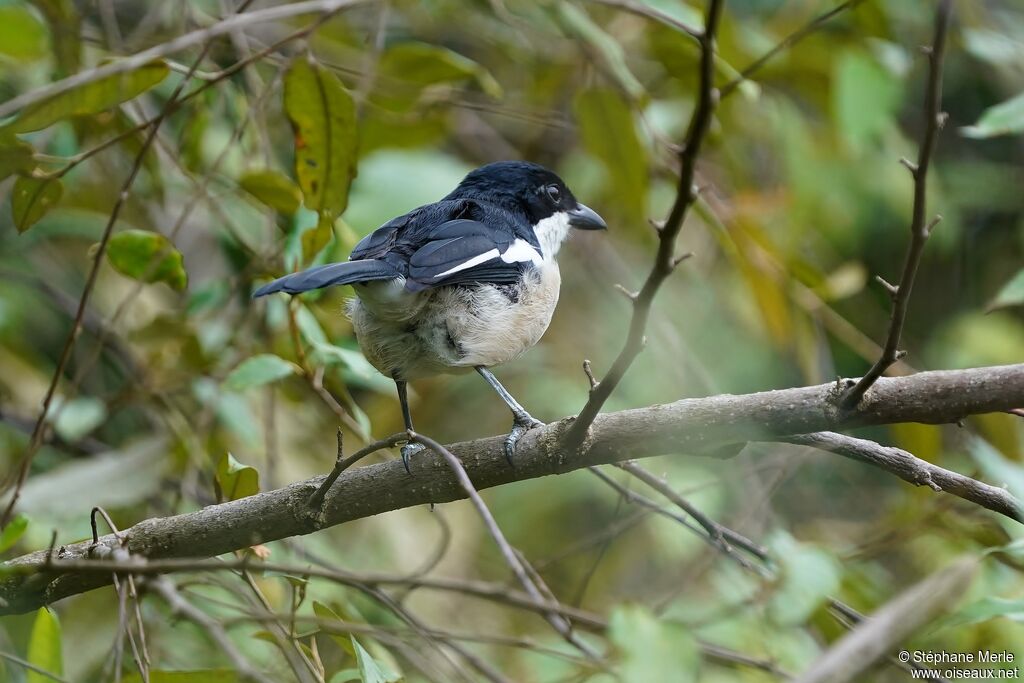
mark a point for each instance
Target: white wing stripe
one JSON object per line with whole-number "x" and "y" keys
{"x": 521, "y": 251}
{"x": 475, "y": 261}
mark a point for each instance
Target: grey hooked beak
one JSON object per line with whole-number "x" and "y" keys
{"x": 585, "y": 218}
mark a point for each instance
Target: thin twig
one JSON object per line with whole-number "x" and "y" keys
{"x": 36, "y": 440}
{"x": 639, "y": 499}
{"x": 664, "y": 262}
{"x": 920, "y": 228}
{"x": 557, "y": 621}
{"x": 716, "y": 531}
{"x": 787, "y": 42}
{"x": 29, "y": 666}
{"x": 179, "y": 605}
{"x": 914, "y": 470}
{"x": 316, "y": 501}
{"x": 140, "y": 59}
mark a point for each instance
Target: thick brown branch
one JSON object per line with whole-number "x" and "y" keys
{"x": 920, "y": 227}
{"x": 688, "y": 426}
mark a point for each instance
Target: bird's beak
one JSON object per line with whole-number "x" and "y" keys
{"x": 585, "y": 218}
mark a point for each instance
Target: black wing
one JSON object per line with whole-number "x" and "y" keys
{"x": 436, "y": 245}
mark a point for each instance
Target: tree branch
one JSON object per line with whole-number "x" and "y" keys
{"x": 688, "y": 426}
{"x": 914, "y": 470}
{"x": 920, "y": 227}
{"x": 140, "y": 59}
{"x": 665, "y": 261}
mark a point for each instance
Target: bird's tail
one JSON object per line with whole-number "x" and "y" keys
{"x": 344, "y": 273}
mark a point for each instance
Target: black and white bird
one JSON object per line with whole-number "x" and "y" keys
{"x": 468, "y": 282}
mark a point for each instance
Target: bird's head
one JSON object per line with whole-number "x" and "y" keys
{"x": 538, "y": 192}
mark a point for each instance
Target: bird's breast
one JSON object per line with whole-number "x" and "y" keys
{"x": 450, "y": 329}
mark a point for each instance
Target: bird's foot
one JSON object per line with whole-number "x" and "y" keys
{"x": 408, "y": 450}
{"x": 523, "y": 422}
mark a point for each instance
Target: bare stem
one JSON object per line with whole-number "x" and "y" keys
{"x": 920, "y": 228}
{"x": 665, "y": 259}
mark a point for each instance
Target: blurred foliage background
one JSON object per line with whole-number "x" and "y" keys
{"x": 805, "y": 201}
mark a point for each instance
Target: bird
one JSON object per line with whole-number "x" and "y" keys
{"x": 465, "y": 283}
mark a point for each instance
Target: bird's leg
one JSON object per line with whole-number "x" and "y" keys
{"x": 522, "y": 420}
{"x": 410, "y": 448}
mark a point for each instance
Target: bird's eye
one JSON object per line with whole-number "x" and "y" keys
{"x": 554, "y": 193}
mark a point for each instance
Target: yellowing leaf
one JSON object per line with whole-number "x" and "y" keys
{"x": 235, "y": 479}
{"x": 44, "y": 649}
{"x": 259, "y": 370}
{"x": 147, "y": 256}
{"x": 274, "y": 189}
{"x": 22, "y": 35}
{"x": 323, "y": 117}
{"x": 609, "y": 133}
{"x": 15, "y": 156}
{"x": 315, "y": 239}
{"x": 90, "y": 98}
{"x": 31, "y": 198}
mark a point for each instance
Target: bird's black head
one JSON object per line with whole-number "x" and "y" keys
{"x": 527, "y": 187}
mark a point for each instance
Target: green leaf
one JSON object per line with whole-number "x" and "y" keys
{"x": 345, "y": 676}
{"x": 66, "y": 25}
{"x": 44, "y": 649}
{"x": 808, "y": 576}
{"x": 259, "y": 370}
{"x": 15, "y": 156}
{"x": 274, "y": 189}
{"x": 235, "y": 479}
{"x": 998, "y": 469}
{"x": 579, "y": 25}
{"x": 78, "y": 417}
{"x": 370, "y": 670}
{"x": 32, "y": 198}
{"x": 315, "y": 239}
{"x": 203, "y": 676}
{"x": 22, "y": 35}
{"x": 13, "y": 531}
{"x": 135, "y": 253}
{"x": 987, "y": 608}
{"x": 1005, "y": 118}
{"x": 1011, "y": 294}
{"x": 323, "y": 118}
{"x": 90, "y": 98}
{"x": 421, "y": 65}
{"x": 650, "y": 649}
{"x": 599, "y": 113}
{"x": 865, "y": 98}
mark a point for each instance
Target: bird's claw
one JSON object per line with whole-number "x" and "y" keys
{"x": 407, "y": 451}
{"x": 522, "y": 424}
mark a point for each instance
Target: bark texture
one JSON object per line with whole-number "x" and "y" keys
{"x": 689, "y": 426}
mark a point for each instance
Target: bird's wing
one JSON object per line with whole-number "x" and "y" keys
{"x": 469, "y": 252}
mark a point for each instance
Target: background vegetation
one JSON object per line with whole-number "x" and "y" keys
{"x": 181, "y": 391}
